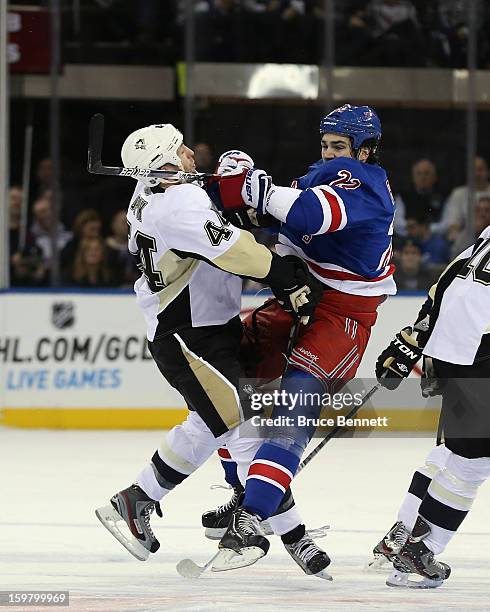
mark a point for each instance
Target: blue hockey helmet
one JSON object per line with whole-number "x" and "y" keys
{"x": 360, "y": 123}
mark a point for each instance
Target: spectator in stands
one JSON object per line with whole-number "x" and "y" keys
{"x": 385, "y": 33}
{"x": 15, "y": 209}
{"x": 421, "y": 199}
{"x": 447, "y": 24}
{"x": 283, "y": 9}
{"x": 87, "y": 224}
{"x": 27, "y": 268}
{"x": 41, "y": 228}
{"x": 482, "y": 219}
{"x": 411, "y": 273}
{"x": 271, "y": 22}
{"x": 456, "y": 207}
{"x": 118, "y": 256}
{"x": 434, "y": 247}
{"x": 204, "y": 158}
{"x": 44, "y": 177}
{"x": 90, "y": 268}
{"x": 219, "y": 20}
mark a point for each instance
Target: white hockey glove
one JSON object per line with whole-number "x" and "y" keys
{"x": 255, "y": 189}
{"x": 233, "y": 162}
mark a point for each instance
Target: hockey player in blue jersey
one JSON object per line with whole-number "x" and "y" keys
{"x": 339, "y": 219}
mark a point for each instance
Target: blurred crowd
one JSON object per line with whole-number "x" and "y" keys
{"x": 367, "y": 32}
{"x": 430, "y": 229}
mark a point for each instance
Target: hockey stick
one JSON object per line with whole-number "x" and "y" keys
{"x": 187, "y": 568}
{"x": 95, "y": 166}
{"x": 293, "y": 338}
{"x": 336, "y": 429}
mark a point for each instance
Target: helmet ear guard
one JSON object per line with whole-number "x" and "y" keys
{"x": 152, "y": 147}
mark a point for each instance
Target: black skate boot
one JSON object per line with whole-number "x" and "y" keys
{"x": 417, "y": 558}
{"x": 133, "y": 507}
{"x": 216, "y": 521}
{"x": 310, "y": 557}
{"x": 243, "y": 543}
{"x": 388, "y": 547}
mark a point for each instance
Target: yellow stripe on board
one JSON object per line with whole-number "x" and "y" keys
{"x": 90, "y": 418}
{"x": 159, "y": 418}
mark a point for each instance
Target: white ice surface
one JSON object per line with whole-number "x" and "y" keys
{"x": 51, "y": 481}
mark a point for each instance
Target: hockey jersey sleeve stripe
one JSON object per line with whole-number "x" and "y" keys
{"x": 313, "y": 211}
{"x": 335, "y": 204}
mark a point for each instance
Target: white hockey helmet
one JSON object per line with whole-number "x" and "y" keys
{"x": 152, "y": 147}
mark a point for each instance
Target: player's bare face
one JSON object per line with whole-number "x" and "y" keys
{"x": 334, "y": 145}
{"x": 187, "y": 157}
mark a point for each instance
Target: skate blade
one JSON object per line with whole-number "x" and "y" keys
{"x": 324, "y": 575}
{"x": 411, "y": 581}
{"x": 216, "y": 533}
{"x": 379, "y": 563}
{"x": 229, "y": 559}
{"x": 110, "y": 518}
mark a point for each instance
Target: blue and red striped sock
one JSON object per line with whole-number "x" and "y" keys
{"x": 269, "y": 476}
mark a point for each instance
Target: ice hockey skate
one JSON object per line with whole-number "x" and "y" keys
{"x": 131, "y": 507}
{"x": 306, "y": 553}
{"x": 388, "y": 547}
{"x": 216, "y": 521}
{"x": 243, "y": 543}
{"x": 416, "y": 558}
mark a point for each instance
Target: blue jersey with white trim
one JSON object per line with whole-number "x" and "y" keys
{"x": 342, "y": 225}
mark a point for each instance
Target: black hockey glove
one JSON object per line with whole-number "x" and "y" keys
{"x": 397, "y": 360}
{"x": 239, "y": 218}
{"x": 295, "y": 288}
{"x": 247, "y": 218}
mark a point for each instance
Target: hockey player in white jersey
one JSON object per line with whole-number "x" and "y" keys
{"x": 191, "y": 261}
{"x": 452, "y": 331}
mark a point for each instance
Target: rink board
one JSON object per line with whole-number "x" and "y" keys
{"x": 80, "y": 360}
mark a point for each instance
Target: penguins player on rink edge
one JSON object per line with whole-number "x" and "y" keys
{"x": 452, "y": 332}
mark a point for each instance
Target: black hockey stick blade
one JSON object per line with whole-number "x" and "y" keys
{"x": 95, "y": 166}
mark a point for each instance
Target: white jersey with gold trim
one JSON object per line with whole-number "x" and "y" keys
{"x": 464, "y": 312}
{"x": 185, "y": 250}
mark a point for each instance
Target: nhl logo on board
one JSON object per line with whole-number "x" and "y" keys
{"x": 140, "y": 144}
{"x": 63, "y": 314}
